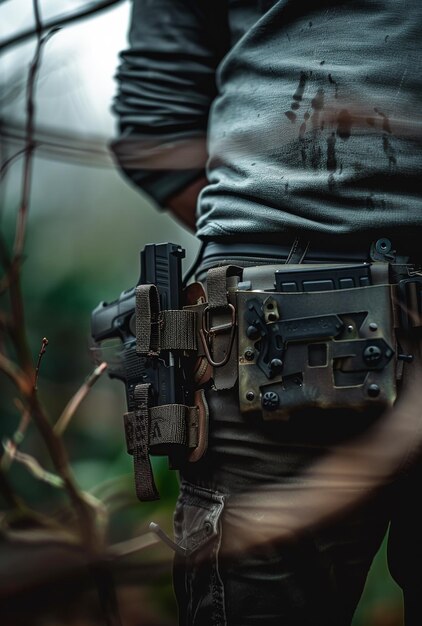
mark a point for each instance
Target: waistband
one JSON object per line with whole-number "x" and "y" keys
{"x": 336, "y": 249}
{"x": 256, "y": 251}
{"x": 252, "y": 253}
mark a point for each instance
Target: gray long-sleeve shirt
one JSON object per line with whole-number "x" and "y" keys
{"x": 311, "y": 112}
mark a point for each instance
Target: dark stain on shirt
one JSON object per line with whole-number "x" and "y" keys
{"x": 318, "y": 102}
{"x": 386, "y": 122}
{"x": 291, "y": 116}
{"x": 297, "y": 97}
{"x": 389, "y": 151}
{"x": 344, "y": 124}
{"x": 331, "y": 153}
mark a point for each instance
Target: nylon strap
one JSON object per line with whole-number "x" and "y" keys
{"x": 147, "y": 305}
{"x": 166, "y": 330}
{"x": 217, "y": 285}
{"x": 137, "y": 439}
{"x": 173, "y": 424}
{"x": 178, "y": 331}
{"x": 151, "y": 430}
{"x": 219, "y": 279}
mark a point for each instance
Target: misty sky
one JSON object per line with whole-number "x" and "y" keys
{"x": 76, "y": 83}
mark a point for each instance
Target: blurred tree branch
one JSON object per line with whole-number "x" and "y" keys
{"x": 89, "y": 513}
{"x": 57, "y": 145}
{"x": 87, "y": 10}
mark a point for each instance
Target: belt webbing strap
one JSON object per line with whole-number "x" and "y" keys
{"x": 153, "y": 430}
{"x": 147, "y": 303}
{"x": 178, "y": 331}
{"x": 137, "y": 439}
{"x": 161, "y": 330}
{"x": 173, "y": 424}
{"x": 217, "y": 285}
{"x": 219, "y": 279}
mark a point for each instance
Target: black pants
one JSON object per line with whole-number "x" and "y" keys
{"x": 317, "y": 580}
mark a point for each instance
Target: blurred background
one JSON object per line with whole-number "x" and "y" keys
{"x": 86, "y": 228}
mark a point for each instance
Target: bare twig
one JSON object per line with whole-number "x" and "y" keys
{"x": 59, "y": 457}
{"x": 44, "y": 345}
{"x": 14, "y": 443}
{"x": 58, "y": 145}
{"x": 79, "y": 396}
{"x": 23, "y": 374}
{"x": 4, "y": 253}
{"x": 30, "y": 125}
{"x": 126, "y": 548}
{"x": 16, "y": 375}
{"x": 12, "y": 278}
{"x": 91, "y": 515}
{"x": 37, "y": 18}
{"x": 55, "y": 447}
{"x": 35, "y": 467}
{"x": 89, "y": 9}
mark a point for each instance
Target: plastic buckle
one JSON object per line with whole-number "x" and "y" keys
{"x": 206, "y": 332}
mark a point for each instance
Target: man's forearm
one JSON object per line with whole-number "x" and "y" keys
{"x": 166, "y": 84}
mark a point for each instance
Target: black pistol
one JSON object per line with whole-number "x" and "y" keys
{"x": 113, "y": 330}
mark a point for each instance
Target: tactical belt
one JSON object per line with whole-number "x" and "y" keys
{"x": 292, "y": 336}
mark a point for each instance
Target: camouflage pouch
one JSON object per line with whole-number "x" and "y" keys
{"x": 315, "y": 336}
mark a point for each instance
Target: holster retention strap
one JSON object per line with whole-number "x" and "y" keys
{"x": 137, "y": 440}
{"x": 158, "y": 430}
{"x": 161, "y": 330}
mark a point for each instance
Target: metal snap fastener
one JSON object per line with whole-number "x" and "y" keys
{"x": 252, "y": 332}
{"x": 383, "y": 245}
{"x": 270, "y": 401}
{"x": 373, "y": 391}
{"x": 372, "y": 354}
{"x": 208, "y": 528}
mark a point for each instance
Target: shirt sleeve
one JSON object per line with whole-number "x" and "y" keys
{"x": 166, "y": 84}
